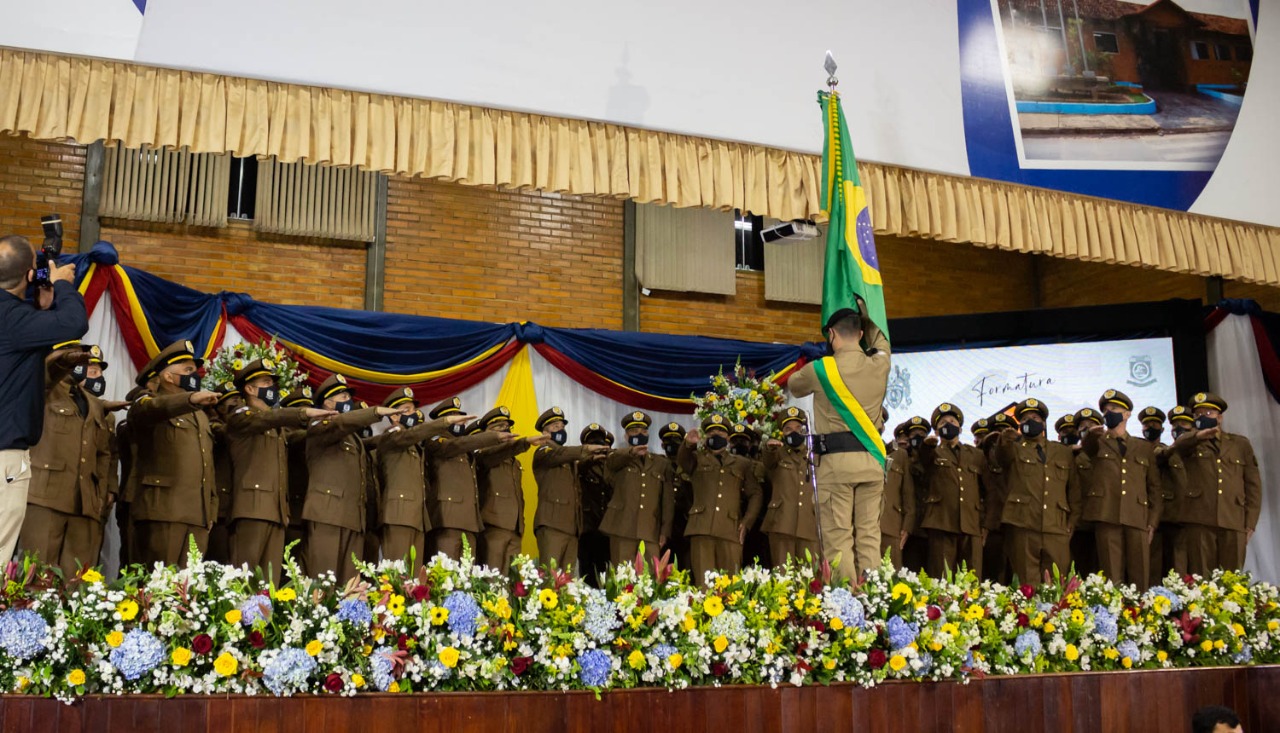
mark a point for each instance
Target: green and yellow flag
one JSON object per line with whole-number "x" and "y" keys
{"x": 852, "y": 268}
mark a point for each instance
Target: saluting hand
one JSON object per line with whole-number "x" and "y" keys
{"x": 1209, "y": 434}
{"x": 385, "y": 411}
{"x": 540, "y": 441}
{"x": 640, "y": 450}
{"x": 773, "y": 443}
{"x": 598, "y": 451}
{"x": 692, "y": 437}
{"x": 114, "y": 405}
{"x": 203, "y": 398}
{"x": 72, "y": 357}
{"x": 459, "y": 419}
{"x": 315, "y": 413}
{"x": 506, "y": 437}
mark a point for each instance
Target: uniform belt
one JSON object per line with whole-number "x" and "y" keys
{"x": 837, "y": 443}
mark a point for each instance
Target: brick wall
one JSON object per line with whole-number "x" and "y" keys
{"x": 39, "y": 178}
{"x": 501, "y": 255}
{"x": 288, "y": 270}
{"x": 1070, "y": 283}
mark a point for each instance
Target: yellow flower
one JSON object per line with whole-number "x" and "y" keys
{"x": 226, "y": 665}
{"x": 91, "y": 576}
{"x": 128, "y": 609}
{"x": 396, "y": 605}
{"x": 76, "y": 678}
{"x": 950, "y": 628}
{"x": 286, "y": 594}
{"x": 738, "y": 404}
{"x": 314, "y": 647}
{"x": 438, "y": 614}
{"x": 1162, "y": 655}
{"x": 829, "y": 664}
{"x": 688, "y": 624}
{"x": 720, "y": 644}
{"x": 1049, "y": 628}
{"x": 448, "y": 657}
{"x": 836, "y": 624}
{"x": 1161, "y": 605}
{"x": 1273, "y": 625}
{"x": 974, "y": 613}
{"x": 897, "y": 662}
{"x": 713, "y": 606}
{"x": 1237, "y": 629}
{"x": 233, "y": 616}
{"x": 548, "y": 598}
{"x": 1219, "y": 645}
{"x": 1206, "y": 646}
{"x": 1077, "y": 616}
{"x": 902, "y": 590}
{"x": 395, "y": 686}
{"x": 379, "y": 634}
{"x": 1038, "y": 620}
{"x": 181, "y": 656}
{"x": 722, "y": 582}
{"x": 1111, "y": 654}
{"x": 357, "y": 681}
{"x": 1127, "y": 663}
{"x": 23, "y": 683}
{"x": 115, "y": 639}
{"x": 675, "y": 660}
{"x": 1071, "y": 653}
{"x": 636, "y": 659}
{"x": 935, "y": 645}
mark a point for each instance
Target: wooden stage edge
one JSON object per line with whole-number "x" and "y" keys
{"x": 1134, "y": 702}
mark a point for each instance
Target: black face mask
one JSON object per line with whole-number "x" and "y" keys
{"x": 96, "y": 386}
{"x": 343, "y": 407}
{"x": 1153, "y": 434}
{"x": 795, "y": 440}
{"x": 269, "y": 395}
{"x": 458, "y": 430}
{"x": 189, "y": 382}
{"x": 949, "y": 431}
{"x": 1032, "y": 428}
{"x": 411, "y": 419}
{"x": 1071, "y": 439}
{"x": 717, "y": 442}
{"x": 740, "y": 448}
{"x": 1112, "y": 419}
{"x": 366, "y": 432}
{"x": 1179, "y": 432}
{"x": 915, "y": 441}
{"x": 640, "y": 439}
{"x": 559, "y": 437}
{"x": 78, "y": 372}
{"x": 1206, "y": 423}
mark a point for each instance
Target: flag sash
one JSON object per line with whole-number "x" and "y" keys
{"x": 848, "y": 407}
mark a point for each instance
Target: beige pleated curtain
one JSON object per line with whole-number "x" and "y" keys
{"x": 65, "y": 98}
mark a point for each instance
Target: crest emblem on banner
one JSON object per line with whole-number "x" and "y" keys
{"x": 898, "y": 394}
{"x": 1140, "y": 374}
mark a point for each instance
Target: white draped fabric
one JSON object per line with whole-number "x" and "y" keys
{"x": 1234, "y": 373}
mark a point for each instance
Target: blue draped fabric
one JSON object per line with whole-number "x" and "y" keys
{"x": 175, "y": 312}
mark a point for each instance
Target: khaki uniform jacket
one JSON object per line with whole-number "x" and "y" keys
{"x": 721, "y": 484}
{"x": 402, "y": 471}
{"x": 898, "y": 514}
{"x": 790, "y": 511}
{"x": 259, "y": 444}
{"x": 502, "y": 486}
{"x": 1173, "y": 484}
{"x": 337, "y": 470}
{"x": 952, "y": 488}
{"x": 1042, "y": 496}
{"x": 71, "y": 466}
{"x": 1123, "y": 490}
{"x": 642, "y": 505}
{"x": 1223, "y": 488}
{"x": 175, "y": 463}
{"x": 453, "y": 493}
{"x": 555, "y": 468}
{"x": 866, "y": 374}
{"x": 996, "y": 485}
{"x": 223, "y": 474}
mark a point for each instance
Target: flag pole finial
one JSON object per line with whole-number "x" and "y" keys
{"x": 830, "y": 65}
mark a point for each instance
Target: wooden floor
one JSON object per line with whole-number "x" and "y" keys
{"x": 1132, "y": 702}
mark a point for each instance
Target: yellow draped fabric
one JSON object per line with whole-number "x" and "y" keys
{"x": 519, "y": 396}
{"x": 65, "y": 98}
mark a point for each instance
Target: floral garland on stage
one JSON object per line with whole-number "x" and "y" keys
{"x": 742, "y": 398}
{"x": 214, "y": 629}
{"x": 231, "y": 359}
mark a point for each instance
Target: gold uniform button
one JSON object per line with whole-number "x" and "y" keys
{"x": 1219, "y": 491}
{"x": 717, "y": 508}
{"x": 719, "y": 496}
{"x": 1122, "y": 493}
{"x": 1046, "y": 506}
{"x": 962, "y": 500}
{"x": 642, "y": 506}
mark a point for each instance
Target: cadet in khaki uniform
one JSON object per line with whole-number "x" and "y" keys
{"x": 1084, "y": 545}
{"x": 229, "y": 400}
{"x": 952, "y": 491}
{"x": 502, "y": 489}
{"x": 722, "y": 484}
{"x": 337, "y": 471}
{"x": 297, "y": 529}
{"x": 71, "y": 486}
{"x": 177, "y": 491}
{"x": 642, "y": 506}
{"x": 557, "y": 522}
{"x": 672, "y": 435}
{"x": 1065, "y": 427}
{"x": 1123, "y": 496}
{"x": 1223, "y": 494}
{"x": 1152, "y": 419}
{"x": 403, "y": 520}
{"x": 127, "y": 451}
{"x": 258, "y": 435}
{"x": 593, "y": 545}
{"x": 995, "y": 563}
{"x": 915, "y": 553}
{"x": 453, "y": 490}
{"x": 1173, "y": 485}
{"x": 898, "y": 515}
{"x": 850, "y": 480}
{"x": 790, "y": 521}
{"x": 1042, "y": 501}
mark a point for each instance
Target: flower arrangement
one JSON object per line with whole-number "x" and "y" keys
{"x": 231, "y": 359}
{"x": 455, "y": 625}
{"x": 741, "y": 397}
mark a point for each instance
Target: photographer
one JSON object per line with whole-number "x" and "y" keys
{"x": 27, "y": 334}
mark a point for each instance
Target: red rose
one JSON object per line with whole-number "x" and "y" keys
{"x": 421, "y": 593}
{"x": 1023, "y": 621}
{"x": 815, "y": 586}
{"x": 402, "y": 643}
{"x": 630, "y": 587}
{"x": 333, "y": 683}
{"x": 256, "y": 640}
{"x": 876, "y": 658}
{"x": 1189, "y": 579}
{"x": 719, "y": 669}
{"x": 934, "y": 613}
{"x": 520, "y": 664}
{"x": 202, "y": 644}
{"x": 520, "y": 590}
{"x": 1027, "y": 591}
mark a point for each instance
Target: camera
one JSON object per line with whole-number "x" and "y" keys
{"x": 50, "y": 249}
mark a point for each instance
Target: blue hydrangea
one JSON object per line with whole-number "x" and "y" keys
{"x": 463, "y": 612}
{"x": 1175, "y": 603}
{"x": 1028, "y": 642}
{"x": 1244, "y": 656}
{"x": 255, "y": 608}
{"x": 22, "y": 633}
{"x": 601, "y": 618}
{"x": 595, "y": 667}
{"x": 1128, "y": 648}
{"x": 842, "y": 605}
{"x": 138, "y": 654}
{"x": 288, "y": 670}
{"x": 1104, "y": 624}
{"x": 663, "y": 651}
{"x": 355, "y": 611}
{"x": 380, "y": 666}
{"x": 901, "y": 633}
{"x": 926, "y": 664}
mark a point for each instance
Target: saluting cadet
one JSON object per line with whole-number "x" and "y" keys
{"x": 557, "y": 522}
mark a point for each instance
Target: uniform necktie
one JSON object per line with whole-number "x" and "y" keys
{"x": 1040, "y": 452}
{"x": 82, "y": 405}
{"x": 1123, "y": 449}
